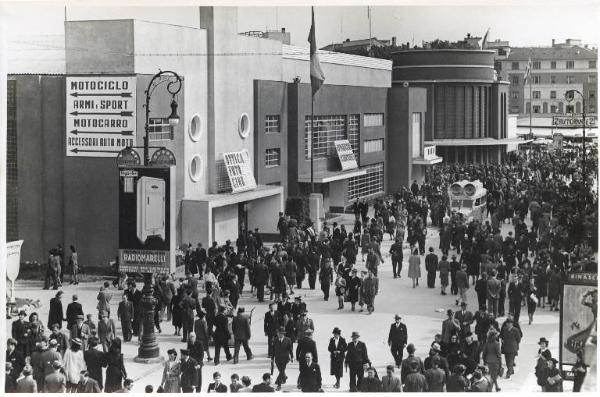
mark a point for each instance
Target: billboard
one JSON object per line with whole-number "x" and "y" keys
{"x": 239, "y": 170}
{"x": 146, "y": 219}
{"x": 345, "y": 154}
{"x": 578, "y": 317}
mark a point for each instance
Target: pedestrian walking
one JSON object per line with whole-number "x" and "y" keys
{"x": 104, "y": 297}
{"x": 431, "y": 265}
{"x": 370, "y": 287}
{"x": 337, "y": 353}
{"x": 55, "y": 315}
{"x": 241, "y": 335}
{"x": 414, "y": 267}
{"x": 396, "y": 252}
{"x": 115, "y": 368}
{"x": 397, "y": 339}
{"x": 74, "y": 309}
{"x": 326, "y": 277}
{"x": 282, "y": 355}
{"x": 357, "y": 360}
{"x": 310, "y": 380}
{"x": 491, "y": 355}
{"x": 74, "y": 265}
{"x": 125, "y": 316}
{"x": 171, "y": 373}
{"x": 221, "y": 336}
{"x": 511, "y": 337}
{"x": 74, "y": 363}
{"x": 106, "y": 331}
{"x": 189, "y": 372}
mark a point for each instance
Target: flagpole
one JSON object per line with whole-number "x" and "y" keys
{"x": 530, "y": 108}
{"x": 312, "y": 142}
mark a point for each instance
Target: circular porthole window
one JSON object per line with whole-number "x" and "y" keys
{"x": 196, "y": 167}
{"x": 195, "y": 128}
{"x": 244, "y": 125}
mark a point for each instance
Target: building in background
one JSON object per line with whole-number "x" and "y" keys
{"x": 279, "y": 35}
{"x": 555, "y": 70}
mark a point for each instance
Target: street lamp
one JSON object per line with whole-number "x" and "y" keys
{"x": 569, "y": 96}
{"x": 149, "y": 351}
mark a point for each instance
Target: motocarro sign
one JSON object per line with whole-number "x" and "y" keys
{"x": 100, "y": 115}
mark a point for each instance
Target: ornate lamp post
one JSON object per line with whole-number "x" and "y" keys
{"x": 149, "y": 351}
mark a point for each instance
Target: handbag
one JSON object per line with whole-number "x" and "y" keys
{"x": 533, "y": 298}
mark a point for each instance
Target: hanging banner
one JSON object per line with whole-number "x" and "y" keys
{"x": 13, "y": 259}
{"x": 345, "y": 154}
{"x": 101, "y": 118}
{"x": 239, "y": 170}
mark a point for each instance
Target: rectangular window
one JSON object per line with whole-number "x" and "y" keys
{"x": 570, "y": 64}
{"x": 536, "y": 79}
{"x": 327, "y": 129}
{"x": 514, "y": 95}
{"x": 536, "y": 94}
{"x": 514, "y": 79}
{"x": 552, "y": 79}
{"x": 354, "y": 134}
{"x": 515, "y": 66}
{"x": 592, "y": 78}
{"x": 537, "y": 65}
{"x": 417, "y": 129}
{"x": 372, "y": 183}
{"x": 373, "y": 145}
{"x": 272, "y": 157}
{"x": 592, "y": 65}
{"x": 373, "y": 119}
{"x": 536, "y": 109}
{"x": 553, "y": 65}
{"x": 570, "y": 79}
{"x": 159, "y": 129}
{"x": 553, "y": 109}
{"x": 553, "y": 94}
{"x": 272, "y": 124}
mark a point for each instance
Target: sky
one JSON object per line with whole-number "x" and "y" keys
{"x": 533, "y": 24}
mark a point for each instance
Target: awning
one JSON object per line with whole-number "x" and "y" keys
{"x": 475, "y": 142}
{"x": 223, "y": 199}
{"x": 428, "y": 161}
{"x": 331, "y": 176}
{"x": 546, "y": 132}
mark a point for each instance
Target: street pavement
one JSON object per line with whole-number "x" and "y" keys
{"x": 422, "y": 310}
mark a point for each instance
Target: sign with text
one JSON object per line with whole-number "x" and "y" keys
{"x": 13, "y": 259}
{"x": 239, "y": 170}
{"x": 574, "y": 121}
{"x": 146, "y": 219}
{"x": 101, "y": 117}
{"x": 345, "y": 154}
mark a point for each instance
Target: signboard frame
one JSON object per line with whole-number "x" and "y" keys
{"x": 345, "y": 154}
{"x": 574, "y": 121}
{"x": 239, "y": 170}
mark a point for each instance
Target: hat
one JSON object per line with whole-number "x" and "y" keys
{"x": 185, "y": 352}
{"x": 77, "y": 341}
{"x": 436, "y": 347}
{"x": 11, "y": 341}
{"x": 53, "y": 342}
{"x": 22, "y": 313}
{"x": 336, "y": 331}
{"x": 397, "y": 317}
{"x": 281, "y": 330}
{"x": 355, "y": 334}
{"x": 389, "y": 368}
{"x": 103, "y": 313}
{"x": 79, "y": 316}
{"x": 241, "y": 310}
{"x": 308, "y": 332}
{"x": 56, "y": 364}
{"x": 543, "y": 340}
{"x": 463, "y": 303}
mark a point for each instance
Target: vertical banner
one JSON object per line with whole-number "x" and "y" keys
{"x": 13, "y": 264}
{"x": 146, "y": 219}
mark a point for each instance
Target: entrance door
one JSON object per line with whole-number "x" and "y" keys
{"x": 242, "y": 217}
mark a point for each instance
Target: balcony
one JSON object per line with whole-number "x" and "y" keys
{"x": 429, "y": 157}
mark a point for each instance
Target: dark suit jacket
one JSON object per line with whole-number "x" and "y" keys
{"x": 357, "y": 354}
{"x": 95, "y": 360}
{"x": 465, "y": 320}
{"x": 55, "y": 315}
{"x": 84, "y": 334}
{"x": 310, "y": 378}
{"x": 241, "y": 327}
{"x": 272, "y": 322}
{"x": 341, "y": 347}
{"x": 282, "y": 351}
{"x": 91, "y": 386}
{"x": 306, "y": 345}
{"x": 262, "y": 388}
{"x": 510, "y": 340}
{"x": 221, "y": 330}
{"x": 27, "y": 385}
{"x": 18, "y": 331}
{"x": 125, "y": 311}
{"x": 189, "y": 375}
{"x": 398, "y": 335}
{"x": 18, "y": 362}
{"x": 73, "y": 310}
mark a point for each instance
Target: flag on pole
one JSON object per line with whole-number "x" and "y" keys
{"x": 485, "y": 38}
{"x": 316, "y": 74}
{"x": 527, "y": 71}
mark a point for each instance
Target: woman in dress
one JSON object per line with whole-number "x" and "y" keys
{"x": 73, "y": 365}
{"x": 115, "y": 370}
{"x": 492, "y": 357}
{"x": 171, "y": 373}
{"x": 532, "y": 299}
{"x": 414, "y": 266}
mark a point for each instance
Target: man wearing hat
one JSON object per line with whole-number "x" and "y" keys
{"x": 357, "y": 359}
{"x": 464, "y": 318}
{"x": 397, "y": 339}
{"x": 304, "y": 324}
{"x": 511, "y": 337}
{"x": 306, "y": 345}
{"x": 106, "y": 330}
{"x": 19, "y": 332}
{"x": 435, "y": 353}
{"x": 55, "y": 382}
{"x": 94, "y": 361}
{"x": 282, "y": 354}
{"x": 27, "y": 384}
{"x": 189, "y": 372}
{"x": 15, "y": 358}
{"x": 81, "y": 331}
{"x": 74, "y": 309}
{"x": 337, "y": 352}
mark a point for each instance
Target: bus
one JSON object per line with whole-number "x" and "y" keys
{"x": 469, "y": 199}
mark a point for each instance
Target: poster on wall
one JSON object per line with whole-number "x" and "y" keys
{"x": 345, "y": 154}
{"x": 101, "y": 117}
{"x": 578, "y": 318}
{"x": 239, "y": 170}
{"x": 145, "y": 219}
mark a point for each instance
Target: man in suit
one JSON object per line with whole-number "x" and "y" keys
{"x": 282, "y": 354}
{"x": 221, "y": 336}
{"x": 261, "y": 277}
{"x": 74, "y": 309}
{"x": 135, "y": 297}
{"x": 310, "y": 375}
{"x": 20, "y": 334}
{"x": 431, "y": 265}
{"x": 104, "y": 297}
{"x": 370, "y": 288}
{"x": 407, "y": 363}
{"x": 55, "y": 381}
{"x": 189, "y": 372}
{"x": 188, "y": 305}
{"x": 391, "y": 382}
{"x": 493, "y": 293}
{"x": 49, "y": 356}
{"x": 462, "y": 283}
{"x": 464, "y": 318}
{"x": 27, "y": 384}
{"x": 450, "y": 327}
{"x": 306, "y": 345}
{"x": 55, "y": 315}
{"x": 511, "y": 337}
{"x": 60, "y": 338}
{"x": 125, "y": 315}
{"x": 357, "y": 360}
{"x": 397, "y": 257}
{"x": 87, "y": 384}
{"x": 241, "y": 335}
{"x": 15, "y": 357}
{"x": 106, "y": 330}
{"x": 210, "y": 308}
{"x": 271, "y": 325}
{"x": 196, "y": 349}
{"x": 397, "y": 339}
{"x": 94, "y": 361}
{"x": 265, "y": 386}
{"x": 81, "y": 331}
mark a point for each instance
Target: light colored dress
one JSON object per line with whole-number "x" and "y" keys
{"x": 414, "y": 266}
{"x": 171, "y": 375}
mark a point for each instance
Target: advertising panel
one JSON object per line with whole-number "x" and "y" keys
{"x": 345, "y": 154}
{"x": 146, "y": 224}
{"x": 239, "y": 170}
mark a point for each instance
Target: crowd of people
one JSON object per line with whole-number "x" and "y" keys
{"x": 553, "y": 217}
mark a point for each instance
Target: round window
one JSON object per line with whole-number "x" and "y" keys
{"x": 195, "y": 128}
{"x": 244, "y": 125}
{"x": 196, "y": 168}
